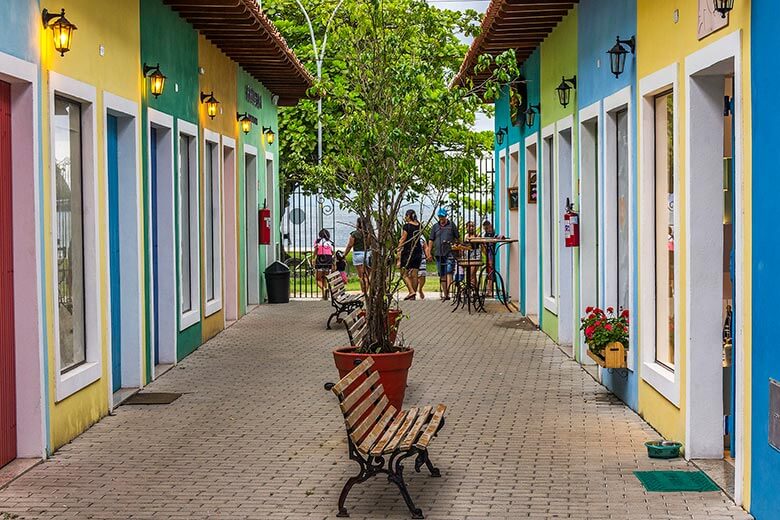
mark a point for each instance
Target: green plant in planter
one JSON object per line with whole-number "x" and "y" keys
{"x": 397, "y": 130}
{"x": 602, "y": 328}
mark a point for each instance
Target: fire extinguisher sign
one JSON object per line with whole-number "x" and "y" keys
{"x": 571, "y": 227}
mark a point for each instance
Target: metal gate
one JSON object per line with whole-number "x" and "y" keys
{"x": 473, "y": 199}
{"x": 7, "y": 347}
{"x": 305, "y": 215}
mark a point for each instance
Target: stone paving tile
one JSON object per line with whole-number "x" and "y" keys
{"x": 529, "y": 434}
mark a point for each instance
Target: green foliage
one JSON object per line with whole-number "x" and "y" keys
{"x": 395, "y": 130}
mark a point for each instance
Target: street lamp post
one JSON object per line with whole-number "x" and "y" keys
{"x": 319, "y": 56}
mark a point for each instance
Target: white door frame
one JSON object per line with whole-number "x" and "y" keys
{"x": 566, "y": 282}
{"x": 252, "y": 257}
{"x": 513, "y": 280}
{"x": 166, "y": 236}
{"x": 704, "y": 420}
{"x": 273, "y": 204}
{"x": 531, "y": 247}
{"x": 230, "y": 240}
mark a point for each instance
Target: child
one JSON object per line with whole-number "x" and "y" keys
{"x": 323, "y": 254}
{"x": 341, "y": 266}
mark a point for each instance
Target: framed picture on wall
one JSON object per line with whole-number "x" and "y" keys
{"x": 512, "y": 199}
{"x": 532, "y": 195}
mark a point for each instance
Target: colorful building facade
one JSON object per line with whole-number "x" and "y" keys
{"x": 654, "y": 155}
{"x": 135, "y": 154}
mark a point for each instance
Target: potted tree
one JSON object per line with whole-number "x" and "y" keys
{"x": 606, "y": 335}
{"x": 397, "y": 132}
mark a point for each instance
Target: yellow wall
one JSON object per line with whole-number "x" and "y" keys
{"x": 219, "y": 76}
{"x": 662, "y": 42}
{"x": 115, "y": 26}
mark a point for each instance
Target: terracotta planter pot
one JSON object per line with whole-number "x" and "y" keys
{"x": 393, "y": 369}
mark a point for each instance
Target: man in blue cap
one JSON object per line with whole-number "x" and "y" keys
{"x": 443, "y": 235}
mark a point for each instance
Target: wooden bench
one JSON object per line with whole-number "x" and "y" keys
{"x": 357, "y": 327}
{"x": 380, "y": 437}
{"x": 342, "y": 302}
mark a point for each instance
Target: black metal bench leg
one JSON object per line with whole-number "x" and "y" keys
{"x": 396, "y": 476}
{"x": 345, "y": 492}
{"x": 424, "y": 459}
{"x": 334, "y": 315}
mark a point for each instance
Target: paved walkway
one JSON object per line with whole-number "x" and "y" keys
{"x": 528, "y": 434}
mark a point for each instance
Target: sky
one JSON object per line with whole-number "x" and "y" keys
{"x": 483, "y": 122}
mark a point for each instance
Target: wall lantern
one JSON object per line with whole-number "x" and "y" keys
{"x": 156, "y": 79}
{"x": 246, "y": 122}
{"x": 269, "y": 134}
{"x": 61, "y": 28}
{"x": 530, "y": 114}
{"x": 617, "y": 54}
{"x": 211, "y": 103}
{"x": 565, "y": 88}
{"x": 723, "y": 7}
{"x": 500, "y": 135}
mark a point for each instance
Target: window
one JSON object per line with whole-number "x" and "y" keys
{"x": 189, "y": 237}
{"x": 212, "y": 223}
{"x": 664, "y": 229}
{"x": 185, "y": 219}
{"x": 622, "y": 162}
{"x": 70, "y": 233}
{"x": 549, "y": 190}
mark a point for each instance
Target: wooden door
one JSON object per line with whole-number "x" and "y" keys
{"x": 7, "y": 370}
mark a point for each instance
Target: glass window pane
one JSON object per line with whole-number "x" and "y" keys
{"x": 70, "y": 233}
{"x": 664, "y": 228}
{"x": 185, "y": 210}
{"x": 621, "y": 122}
{"x": 208, "y": 193}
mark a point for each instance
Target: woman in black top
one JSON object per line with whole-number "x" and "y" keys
{"x": 361, "y": 251}
{"x": 410, "y": 252}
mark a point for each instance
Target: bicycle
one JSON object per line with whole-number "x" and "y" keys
{"x": 301, "y": 267}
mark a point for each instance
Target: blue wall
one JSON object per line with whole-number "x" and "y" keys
{"x": 600, "y": 21}
{"x": 21, "y": 23}
{"x": 765, "y": 499}
{"x": 517, "y": 135}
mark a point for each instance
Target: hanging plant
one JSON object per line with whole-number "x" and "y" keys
{"x": 602, "y": 328}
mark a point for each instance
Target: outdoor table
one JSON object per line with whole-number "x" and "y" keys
{"x": 468, "y": 292}
{"x": 498, "y": 280}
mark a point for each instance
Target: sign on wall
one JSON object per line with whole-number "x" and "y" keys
{"x": 531, "y": 191}
{"x": 709, "y": 20}
{"x": 253, "y": 97}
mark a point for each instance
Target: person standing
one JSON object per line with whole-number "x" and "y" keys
{"x": 443, "y": 235}
{"x": 358, "y": 244}
{"x": 410, "y": 252}
{"x": 422, "y": 274}
{"x": 323, "y": 254}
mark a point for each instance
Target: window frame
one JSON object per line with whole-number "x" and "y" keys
{"x": 78, "y": 377}
{"x": 191, "y": 316}
{"x": 663, "y": 379}
{"x": 549, "y": 222}
{"x": 213, "y": 270}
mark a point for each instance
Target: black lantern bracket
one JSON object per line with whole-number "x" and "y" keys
{"x": 565, "y": 88}
{"x": 500, "y": 135}
{"x": 531, "y": 113}
{"x": 207, "y": 98}
{"x": 47, "y": 17}
{"x": 618, "y": 52}
{"x": 148, "y": 69}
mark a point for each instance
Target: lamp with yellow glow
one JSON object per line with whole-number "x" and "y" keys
{"x": 246, "y": 122}
{"x": 156, "y": 79}
{"x": 269, "y": 134}
{"x": 61, "y": 28}
{"x": 211, "y": 103}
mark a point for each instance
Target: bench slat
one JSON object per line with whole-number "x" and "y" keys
{"x": 427, "y": 435}
{"x": 353, "y": 375}
{"x": 333, "y": 276}
{"x": 373, "y": 416}
{"x": 362, "y": 389}
{"x": 377, "y": 430}
{"x": 377, "y": 398}
{"x": 390, "y": 432}
{"x": 402, "y": 431}
{"x": 415, "y": 431}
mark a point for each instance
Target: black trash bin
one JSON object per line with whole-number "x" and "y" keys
{"x": 277, "y": 283}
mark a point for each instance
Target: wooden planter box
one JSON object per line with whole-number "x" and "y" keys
{"x": 614, "y": 356}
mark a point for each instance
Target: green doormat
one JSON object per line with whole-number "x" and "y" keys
{"x": 668, "y": 481}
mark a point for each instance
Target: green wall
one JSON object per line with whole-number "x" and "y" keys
{"x": 559, "y": 59}
{"x": 170, "y": 41}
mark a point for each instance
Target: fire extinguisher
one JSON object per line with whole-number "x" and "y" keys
{"x": 264, "y": 225}
{"x": 571, "y": 226}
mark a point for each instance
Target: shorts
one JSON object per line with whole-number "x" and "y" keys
{"x": 423, "y": 271}
{"x": 360, "y": 257}
{"x": 445, "y": 265}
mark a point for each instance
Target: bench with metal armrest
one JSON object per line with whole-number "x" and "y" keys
{"x": 342, "y": 302}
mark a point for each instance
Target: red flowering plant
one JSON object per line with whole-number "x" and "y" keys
{"x": 602, "y": 328}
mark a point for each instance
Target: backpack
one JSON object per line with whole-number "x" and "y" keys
{"x": 324, "y": 250}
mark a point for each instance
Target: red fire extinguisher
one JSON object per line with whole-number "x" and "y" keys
{"x": 264, "y": 225}
{"x": 571, "y": 226}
